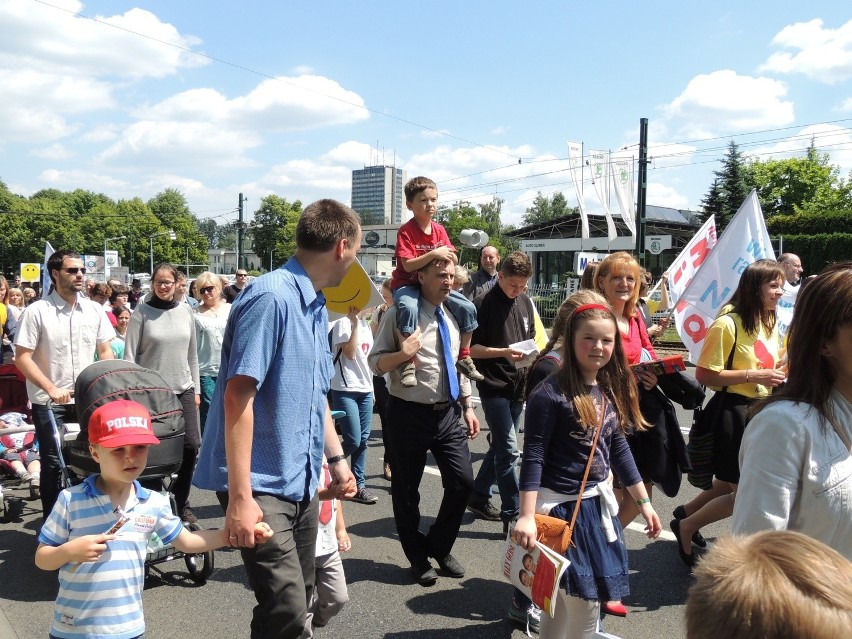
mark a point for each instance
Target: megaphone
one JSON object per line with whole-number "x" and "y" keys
{"x": 474, "y": 238}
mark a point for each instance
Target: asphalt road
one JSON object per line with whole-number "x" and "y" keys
{"x": 384, "y": 602}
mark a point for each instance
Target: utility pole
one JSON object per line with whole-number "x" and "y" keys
{"x": 642, "y": 190}
{"x": 241, "y": 231}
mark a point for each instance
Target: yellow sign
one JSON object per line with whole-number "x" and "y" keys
{"x": 356, "y": 290}
{"x": 30, "y": 272}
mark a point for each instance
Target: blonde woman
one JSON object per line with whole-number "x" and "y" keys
{"x": 15, "y": 302}
{"x": 211, "y": 316}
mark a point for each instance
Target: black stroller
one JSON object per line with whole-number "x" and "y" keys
{"x": 109, "y": 380}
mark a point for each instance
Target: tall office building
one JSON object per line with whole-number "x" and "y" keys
{"x": 377, "y": 194}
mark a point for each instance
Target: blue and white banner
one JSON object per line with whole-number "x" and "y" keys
{"x": 744, "y": 241}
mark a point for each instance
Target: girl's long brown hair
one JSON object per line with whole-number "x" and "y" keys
{"x": 822, "y": 308}
{"x": 615, "y": 379}
{"x": 747, "y": 299}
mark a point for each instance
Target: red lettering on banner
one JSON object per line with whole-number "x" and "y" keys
{"x": 699, "y": 252}
{"x": 695, "y": 327}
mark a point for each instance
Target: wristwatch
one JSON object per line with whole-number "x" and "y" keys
{"x": 335, "y": 459}
{"x": 468, "y": 406}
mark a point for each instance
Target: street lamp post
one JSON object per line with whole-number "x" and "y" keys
{"x": 106, "y": 264}
{"x": 171, "y": 235}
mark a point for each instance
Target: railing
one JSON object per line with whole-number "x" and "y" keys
{"x": 548, "y": 299}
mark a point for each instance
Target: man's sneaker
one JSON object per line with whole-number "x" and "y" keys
{"x": 364, "y": 496}
{"x": 408, "y": 378}
{"x": 529, "y": 618}
{"x": 466, "y": 367}
{"x": 451, "y": 566}
{"x": 187, "y": 516}
{"x": 35, "y": 486}
{"x": 484, "y": 509}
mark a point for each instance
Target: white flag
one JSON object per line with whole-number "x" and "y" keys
{"x": 685, "y": 265}
{"x": 784, "y": 310}
{"x": 599, "y": 163}
{"x": 622, "y": 180}
{"x": 575, "y": 161}
{"x": 45, "y": 274}
{"x": 744, "y": 241}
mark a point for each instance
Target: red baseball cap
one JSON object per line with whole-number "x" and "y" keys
{"x": 121, "y": 423}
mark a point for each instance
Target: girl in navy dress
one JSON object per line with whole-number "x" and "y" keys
{"x": 594, "y": 386}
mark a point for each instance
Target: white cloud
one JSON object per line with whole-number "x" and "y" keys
{"x": 846, "y": 107}
{"x": 76, "y": 178}
{"x": 282, "y": 104}
{"x": 34, "y": 103}
{"x": 819, "y": 53}
{"x": 53, "y": 152}
{"x": 724, "y": 101}
{"x": 664, "y": 195}
{"x": 100, "y": 133}
{"x": 133, "y": 44}
{"x": 180, "y": 145}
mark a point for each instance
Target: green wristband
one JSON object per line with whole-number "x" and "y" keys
{"x": 644, "y": 500}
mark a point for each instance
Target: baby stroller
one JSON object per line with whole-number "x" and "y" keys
{"x": 17, "y": 431}
{"x": 109, "y": 380}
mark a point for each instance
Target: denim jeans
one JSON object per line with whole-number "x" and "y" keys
{"x": 208, "y": 385}
{"x": 407, "y": 300}
{"x": 355, "y": 427}
{"x": 501, "y": 461}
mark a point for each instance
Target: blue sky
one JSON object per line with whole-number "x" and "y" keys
{"x": 289, "y": 97}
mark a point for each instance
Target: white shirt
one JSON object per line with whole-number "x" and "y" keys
{"x": 63, "y": 337}
{"x": 796, "y": 474}
{"x": 351, "y": 375}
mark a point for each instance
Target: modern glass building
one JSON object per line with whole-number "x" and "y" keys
{"x": 377, "y": 194}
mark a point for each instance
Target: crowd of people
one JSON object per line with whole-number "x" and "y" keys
{"x": 258, "y": 370}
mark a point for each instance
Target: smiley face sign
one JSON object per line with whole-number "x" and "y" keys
{"x": 30, "y": 272}
{"x": 356, "y": 290}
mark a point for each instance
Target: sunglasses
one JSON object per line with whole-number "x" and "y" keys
{"x": 207, "y": 289}
{"x": 74, "y": 270}
{"x": 242, "y": 274}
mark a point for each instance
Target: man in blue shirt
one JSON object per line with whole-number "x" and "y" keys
{"x": 271, "y": 389}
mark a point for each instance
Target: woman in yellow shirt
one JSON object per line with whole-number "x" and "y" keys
{"x": 748, "y": 330}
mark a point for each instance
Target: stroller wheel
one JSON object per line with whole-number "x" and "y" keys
{"x": 200, "y": 566}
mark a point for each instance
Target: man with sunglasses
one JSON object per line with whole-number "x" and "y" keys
{"x": 232, "y": 290}
{"x": 57, "y": 338}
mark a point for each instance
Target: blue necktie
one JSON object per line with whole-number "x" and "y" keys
{"x": 446, "y": 347}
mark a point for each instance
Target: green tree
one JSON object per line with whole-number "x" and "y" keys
{"x": 172, "y": 211}
{"x": 711, "y": 204}
{"x": 809, "y": 184}
{"x": 731, "y": 186}
{"x": 545, "y": 209}
{"x": 274, "y": 229}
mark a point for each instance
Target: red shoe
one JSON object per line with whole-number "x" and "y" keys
{"x": 614, "y": 608}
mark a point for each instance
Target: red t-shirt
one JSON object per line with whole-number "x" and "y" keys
{"x": 412, "y": 242}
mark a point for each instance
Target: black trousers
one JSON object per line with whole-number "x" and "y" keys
{"x": 417, "y": 429}
{"x": 51, "y": 471}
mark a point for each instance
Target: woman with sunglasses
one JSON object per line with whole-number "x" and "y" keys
{"x": 161, "y": 336}
{"x": 211, "y": 316}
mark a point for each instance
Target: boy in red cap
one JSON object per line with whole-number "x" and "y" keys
{"x": 97, "y": 533}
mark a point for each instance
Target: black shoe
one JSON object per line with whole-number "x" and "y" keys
{"x": 697, "y": 537}
{"x": 451, "y": 566}
{"x": 688, "y": 559}
{"x": 364, "y": 496}
{"x": 484, "y": 509}
{"x": 424, "y": 574}
{"x": 188, "y": 516}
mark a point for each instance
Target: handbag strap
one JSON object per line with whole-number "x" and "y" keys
{"x": 597, "y": 435}
{"x": 839, "y": 432}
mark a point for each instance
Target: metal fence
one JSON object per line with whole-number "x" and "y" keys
{"x": 547, "y": 299}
